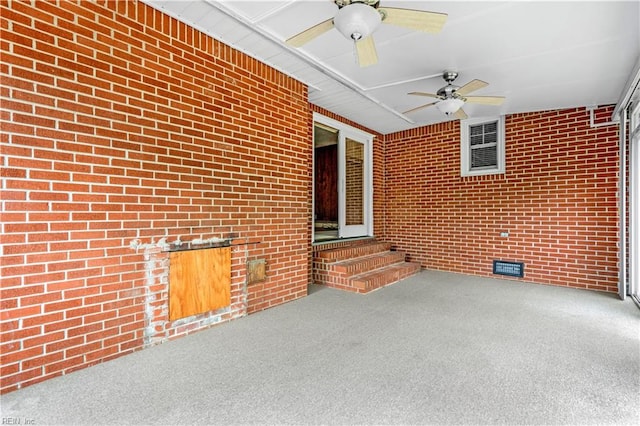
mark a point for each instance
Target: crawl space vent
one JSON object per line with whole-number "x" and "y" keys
{"x": 512, "y": 269}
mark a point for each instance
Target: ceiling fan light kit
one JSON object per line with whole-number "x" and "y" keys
{"x": 357, "y": 21}
{"x": 449, "y": 106}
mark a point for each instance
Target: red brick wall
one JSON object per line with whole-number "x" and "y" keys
{"x": 124, "y": 130}
{"x": 557, "y": 200}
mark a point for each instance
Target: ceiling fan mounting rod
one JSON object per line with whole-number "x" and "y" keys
{"x": 449, "y": 76}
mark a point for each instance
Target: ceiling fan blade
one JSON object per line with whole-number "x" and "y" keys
{"x": 366, "y": 50}
{"x": 310, "y": 33}
{"x": 419, "y": 108}
{"x": 419, "y": 20}
{"x": 471, "y": 86}
{"x": 429, "y": 95}
{"x": 485, "y": 100}
{"x": 460, "y": 114}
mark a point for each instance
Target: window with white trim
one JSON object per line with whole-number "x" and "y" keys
{"x": 482, "y": 146}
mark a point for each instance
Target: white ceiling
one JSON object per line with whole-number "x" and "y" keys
{"x": 540, "y": 55}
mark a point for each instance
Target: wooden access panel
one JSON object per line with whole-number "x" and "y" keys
{"x": 199, "y": 281}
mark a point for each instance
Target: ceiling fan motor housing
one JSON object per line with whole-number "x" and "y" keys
{"x": 342, "y": 3}
{"x": 357, "y": 20}
{"x": 449, "y": 90}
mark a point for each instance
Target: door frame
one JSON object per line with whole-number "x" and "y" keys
{"x": 634, "y": 203}
{"x": 347, "y": 131}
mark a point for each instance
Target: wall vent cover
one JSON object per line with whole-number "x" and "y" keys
{"x": 512, "y": 269}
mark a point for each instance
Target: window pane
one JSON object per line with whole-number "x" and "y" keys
{"x": 476, "y": 130}
{"x": 491, "y": 127}
{"x": 483, "y": 133}
{"x": 491, "y": 138}
{"x": 476, "y": 140}
{"x": 484, "y": 157}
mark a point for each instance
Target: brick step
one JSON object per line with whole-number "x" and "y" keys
{"x": 363, "y": 264}
{"x": 350, "y": 252}
{"x": 370, "y": 281}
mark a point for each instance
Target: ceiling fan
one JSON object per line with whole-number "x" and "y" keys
{"x": 451, "y": 97}
{"x": 358, "y": 19}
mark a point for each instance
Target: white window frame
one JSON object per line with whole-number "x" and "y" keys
{"x": 465, "y": 147}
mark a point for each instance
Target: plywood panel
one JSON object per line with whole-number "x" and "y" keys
{"x": 256, "y": 271}
{"x": 199, "y": 281}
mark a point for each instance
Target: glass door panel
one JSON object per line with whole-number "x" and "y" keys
{"x": 354, "y": 187}
{"x": 353, "y": 194}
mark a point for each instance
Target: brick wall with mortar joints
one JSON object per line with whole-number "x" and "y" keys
{"x": 120, "y": 123}
{"x": 557, "y": 200}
